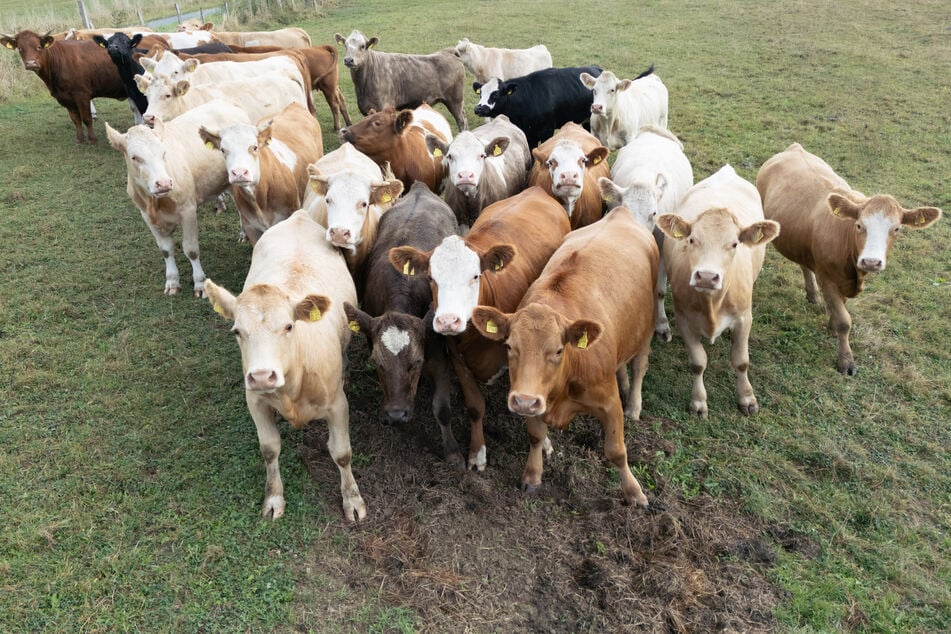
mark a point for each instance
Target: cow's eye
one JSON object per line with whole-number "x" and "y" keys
{"x": 377, "y": 123}
{"x": 690, "y": 241}
{"x": 364, "y": 204}
{"x": 733, "y": 246}
{"x": 858, "y": 225}
{"x": 896, "y": 228}
{"x": 289, "y": 327}
{"x": 482, "y": 156}
{"x": 254, "y": 149}
{"x": 329, "y": 201}
{"x": 235, "y": 331}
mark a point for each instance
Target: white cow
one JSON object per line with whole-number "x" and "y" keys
{"x": 169, "y": 172}
{"x": 621, "y": 107}
{"x": 176, "y": 68}
{"x": 503, "y": 63}
{"x": 649, "y": 177}
{"x": 292, "y": 330}
{"x": 187, "y": 39}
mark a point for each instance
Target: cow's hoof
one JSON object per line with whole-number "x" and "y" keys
{"x": 273, "y": 507}
{"x": 456, "y": 462}
{"x": 529, "y": 489}
{"x": 172, "y": 290}
{"x": 749, "y": 408}
{"x": 700, "y": 409}
{"x": 848, "y": 369}
{"x": 664, "y": 335}
{"x": 354, "y": 509}
{"x": 199, "y": 292}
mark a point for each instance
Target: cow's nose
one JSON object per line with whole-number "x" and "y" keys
{"x": 871, "y": 264}
{"x": 163, "y": 186}
{"x": 706, "y": 279}
{"x": 466, "y": 177}
{"x": 597, "y": 108}
{"x": 149, "y": 119}
{"x": 568, "y": 178}
{"x": 339, "y": 235}
{"x": 263, "y": 380}
{"x": 447, "y": 323}
{"x": 525, "y": 404}
{"x": 397, "y": 416}
{"x": 239, "y": 174}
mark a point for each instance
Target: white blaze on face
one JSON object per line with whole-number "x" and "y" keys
{"x": 394, "y": 340}
{"x": 356, "y": 46}
{"x": 456, "y": 270}
{"x": 605, "y": 93}
{"x": 566, "y": 165}
{"x": 239, "y": 145}
{"x": 146, "y": 160}
{"x": 878, "y": 229}
{"x": 348, "y": 203}
{"x": 466, "y": 161}
{"x": 485, "y": 93}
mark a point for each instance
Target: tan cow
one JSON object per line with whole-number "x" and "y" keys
{"x": 573, "y": 334}
{"x": 837, "y": 235}
{"x": 292, "y": 331}
{"x": 716, "y": 242}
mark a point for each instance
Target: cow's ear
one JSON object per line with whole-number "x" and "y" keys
{"x": 759, "y": 233}
{"x": 207, "y": 26}
{"x": 47, "y": 41}
{"x": 357, "y": 320}
{"x": 385, "y": 193}
{"x": 403, "y": 120}
{"x": 148, "y": 63}
{"x": 410, "y": 260}
{"x": 921, "y": 217}
{"x": 497, "y": 146}
{"x": 264, "y": 132}
{"x": 623, "y": 85}
{"x": 372, "y": 42}
{"x": 135, "y": 40}
{"x": 318, "y": 182}
{"x": 312, "y": 308}
{"x": 595, "y": 156}
{"x": 660, "y": 183}
{"x": 611, "y": 192}
{"x": 142, "y": 82}
{"x": 100, "y": 40}
{"x": 582, "y": 333}
{"x": 509, "y": 89}
{"x": 673, "y": 226}
{"x": 211, "y": 139}
{"x": 7, "y": 41}
{"x": 497, "y": 258}
{"x": 476, "y": 86}
{"x": 843, "y": 207}
{"x": 436, "y": 146}
{"x": 221, "y": 300}
{"x": 116, "y": 138}
{"x": 587, "y": 80}
{"x": 181, "y": 87}
{"x": 339, "y": 39}
{"x": 191, "y": 65}
{"x": 492, "y": 323}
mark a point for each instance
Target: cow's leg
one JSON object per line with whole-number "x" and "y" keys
{"x": 475, "y": 410}
{"x": 166, "y": 245}
{"x": 661, "y": 323}
{"x": 438, "y": 368}
{"x": 342, "y": 103}
{"x": 221, "y": 203}
{"x": 638, "y": 370}
{"x": 538, "y": 445}
{"x": 459, "y": 114}
{"x": 840, "y": 322}
{"x": 612, "y": 422}
{"x": 698, "y": 363}
{"x": 740, "y": 359}
{"x": 809, "y": 279}
{"x": 77, "y": 120}
{"x": 269, "y": 439}
{"x": 338, "y": 442}
{"x": 136, "y": 115}
{"x": 190, "y": 247}
{"x": 86, "y": 117}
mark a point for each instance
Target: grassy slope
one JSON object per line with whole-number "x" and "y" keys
{"x": 131, "y": 469}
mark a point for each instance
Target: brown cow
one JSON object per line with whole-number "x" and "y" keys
{"x": 573, "y": 335}
{"x": 486, "y": 268}
{"x": 74, "y": 71}
{"x": 568, "y": 166}
{"x": 399, "y": 138}
{"x": 716, "y": 242}
{"x": 837, "y": 235}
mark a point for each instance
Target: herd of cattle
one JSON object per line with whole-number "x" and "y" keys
{"x": 457, "y": 255}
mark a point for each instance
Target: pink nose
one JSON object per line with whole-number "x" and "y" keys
{"x": 525, "y": 404}
{"x": 706, "y": 279}
{"x": 164, "y": 185}
{"x": 569, "y": 178}
{"x": 597, "y": 108}
{"x": 149, "y": 119}
{"x": 239, "y": 174}
{"x": 339, "y": 235}
{"x": 448, "y": 323}
{"x": 263, "y": 380}
{"x": 465, "y": 178}
{"x": 871, "y": 264}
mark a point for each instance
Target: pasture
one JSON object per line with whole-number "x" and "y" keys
{"x": 130, "y": 467}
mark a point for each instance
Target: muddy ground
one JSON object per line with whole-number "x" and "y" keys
{"x": 471, "y": 552}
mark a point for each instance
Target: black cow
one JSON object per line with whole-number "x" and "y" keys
{"x": 539, "y": 103}
{"x": 398, "y": 321}
{"x": 120, "y": 48}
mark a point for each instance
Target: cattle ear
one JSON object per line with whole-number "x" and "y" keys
{"x": 7, "y": 41}
{"x": 385, "y": 193}
{"x": 436, "y": 146}
{"x": 582, "y": 333}
{"x": 312, "y": 308}
{"x": 476, "y": 86}
{"x": 264, "y": 132}
{"x": 497, "y": 257}
{"x": 921, "y": 217}
{"x": 147, "y": 63}
{"x": 318, "y": 182}
{"x": 221, "y": 300}
{"x": 191, "y": 65}
{"x": 587, "y": 80}
{"x": 116, "y": 138}
{"x": 539, "y": 156}
{"x": 610, "y": 191}
{"x": 597, "y": 155}
{"x": 759, "y": 233}
{"x": 142, "y": 82}
{"x": 842, "y": 207}
{"x": 403, "y": 120}
{"x": 357, "y": 320}
{"x": 207, "y": 26}
{"x": 623, "y": 85}
{"x": 410, "y": 260}
{"x": 509, "y": 89}
{"x": 372, "y": 42}
{"x": 339, "y": 39}
{"x": 100, "y": 40}
{"x": 47, "y": 40}
{"x": 211, "y": 139}
{"x": 181, "y": 87}
{"x": 492, "y": 323}
{"x": 135, "y": 40}
{"x": 497, "y": 147}
{"x": 674, "y": 226}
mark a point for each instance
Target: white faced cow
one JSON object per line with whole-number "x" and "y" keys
{"x": 620, "y": 107}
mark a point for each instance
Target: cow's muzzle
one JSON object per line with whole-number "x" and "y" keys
{"x": 482, "y": 111}
{"x": 526, "y": 404}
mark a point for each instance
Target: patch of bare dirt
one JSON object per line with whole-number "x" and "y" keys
{"x": 471, "y": 552}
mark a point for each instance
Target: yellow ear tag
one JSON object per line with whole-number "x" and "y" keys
{"x": 209, "y": 145}
{"x": 218, "y": 309}
{"x": 921, "y": 219}
{"x": 496, "y": 151}
{"x": 314, "y": 314}
{"x": 354, "y": 326}
{"x": 8, "y": 45}
{"x": 759, "y": 236}
{"x": 491, "y": 327}
{"x": 583, "y": 342}
{"x": 596, "y": 160}
{"x": 499, "y": 265}
{"x": 437, "y": 152}
{"x": 678, "y": 233}
{"x": 407, "y": 270}
{"x": 836, "y": 212}
{"x": 386, "y": 197}
{"x": 313, "y": 185}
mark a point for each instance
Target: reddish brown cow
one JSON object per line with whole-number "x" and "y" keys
{"x": 573, "y": 334}
{"x": 74, "y": 72}
{"x": 568, "y": 166}
{"x": 399, "y": 138}
{"x": 486, "y": 268}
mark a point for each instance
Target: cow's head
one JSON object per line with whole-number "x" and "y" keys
{"x": 144, "y": 154}
{"x": 641, "y": 198}
{"x": 30, "y": 46}
{"x": 351, "y": 199}
{"x": 356, "y": 48}
{"x": 567, "y": 164}
{"x": 240, "y": 144}
{"x": 489, "y": 96}
{"x": 605, "y": 88}
{"x": 463, "y": 50}
{"x": 265, "y": 322}
{"x": 466, "y": 158}
{"x": 119, "y": 45}
{"x": 455, "y": 272}
{"x": 379, "y": 132}
{"x": 164, "y": 96}
{"x": 398, "y": 349}
{"x": 170, "y": 65}
{"x": 711, "y": 241}
{"x": 878, "y": 221}
{"x": 539, "y": 340}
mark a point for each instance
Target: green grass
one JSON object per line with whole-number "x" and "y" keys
{"x": 130, "y": 467}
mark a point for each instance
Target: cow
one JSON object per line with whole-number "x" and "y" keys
{"x": 483, "y": 166}
{"x": 650, "y": 176}
{"x": 120, "y": 48}
{"x": 349, "y": 192}
{"x": 187, "y": 39}
{"x": 539, "y": 103}
{"x": 267, "y": 165}
{"x": 292, "y": 332}
{"x": 291, "y": 37}
{"x": 716, "y": 242}
{"x": 503, "y": 253}
{"x": 573, "y": 335}
{"x": 401, "y": 81}
{"x": 169, "y": 173}
{"x": 74, "y": 72}
{"x": 619, "y": 108}
{"x": 88, "y": 34}
{"x": 568, "y": 167}
{"x": 836, "y": 234}
{"x": 399, "y": 138}
{"x": 504, "y": 63}
{"x": 394, "y": 314}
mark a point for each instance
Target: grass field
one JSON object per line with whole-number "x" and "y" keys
{"x": 130, "y": 467}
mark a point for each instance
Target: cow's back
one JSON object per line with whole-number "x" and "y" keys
{"x": 80, "y": 67}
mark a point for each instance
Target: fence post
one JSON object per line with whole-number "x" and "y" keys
{"x": 138, "y": 12}
{"x": 83, "y": 16}
{"x": 178, "y": 11}
{"x": 316, "y": 9}
{"x": 201, "y": 14}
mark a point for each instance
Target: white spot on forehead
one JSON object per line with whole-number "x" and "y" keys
{"x": 452, "y": 255}
{"x": 283, "y": 154}
{"x": 394, "y": 340}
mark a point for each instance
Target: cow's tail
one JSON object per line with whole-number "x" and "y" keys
{"x": 646, "y": 72}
